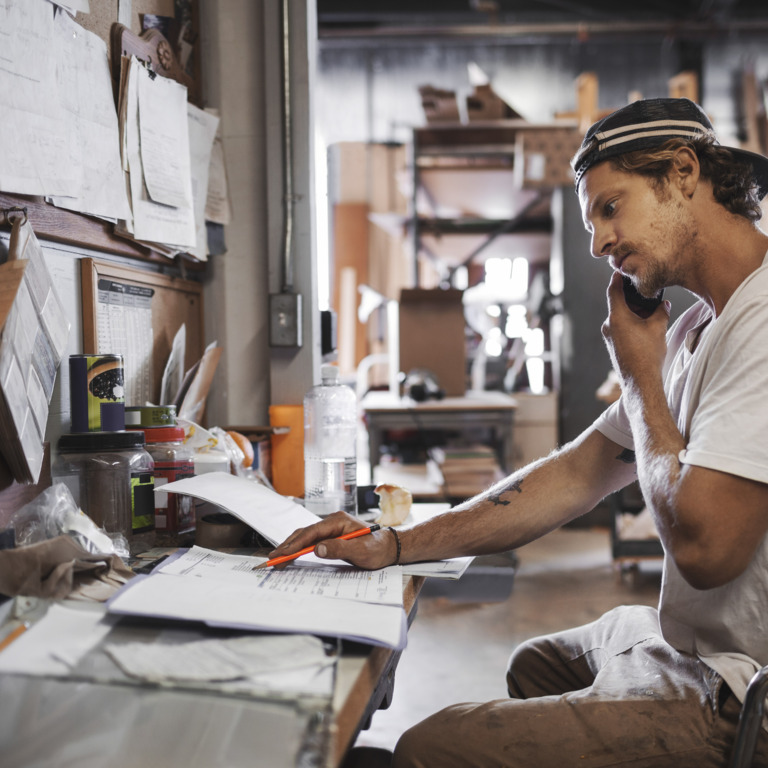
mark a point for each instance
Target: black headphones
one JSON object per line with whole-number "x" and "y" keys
{"x": 421, "y": 385}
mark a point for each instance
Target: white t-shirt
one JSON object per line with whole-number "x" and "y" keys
{"x": 719, "y": 397}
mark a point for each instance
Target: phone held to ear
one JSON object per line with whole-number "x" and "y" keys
{"x": 639, "y": 304}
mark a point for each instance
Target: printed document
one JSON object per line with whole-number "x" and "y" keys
{"x": 202, "y": 131}
{"x": 383, "y": 586}
{"x": 155, "y": 112}
{"x": 246, "y": 603}
{"x": 85, "y": 91}
{"x": 36, "y": 137}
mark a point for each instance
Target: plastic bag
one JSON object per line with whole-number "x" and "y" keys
{"x": 53, "y": 513}
{"x": 232, "y": 449}
{"x": 216, "y": 440}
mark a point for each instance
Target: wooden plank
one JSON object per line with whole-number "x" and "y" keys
{"x": 586, "y": 98}
{"x": 684, "y": 85}
{"x": 350, "y": 252}
{"x": 82, "y": 231}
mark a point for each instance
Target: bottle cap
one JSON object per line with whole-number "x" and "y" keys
{"x": 329, "y": 373}
{"x": 161, "y": 434}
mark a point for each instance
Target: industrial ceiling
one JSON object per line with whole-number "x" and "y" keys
{"x": 411, "y": 18}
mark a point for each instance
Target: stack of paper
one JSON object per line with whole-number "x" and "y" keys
{"x": 225, "y": 591}
{"x": 464, "y": 471}
{"x": 166, "y": 146}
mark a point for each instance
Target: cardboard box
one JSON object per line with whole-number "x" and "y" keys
{"x": 543, "y": 157}
{"x": 432, "y": 336}
{"x": 439, "y": 106}
{"x": 486, "y": 104}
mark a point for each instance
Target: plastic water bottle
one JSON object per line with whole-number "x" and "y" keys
{"x": 330, "y": 436}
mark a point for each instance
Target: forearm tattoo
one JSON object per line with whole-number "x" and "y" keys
{"x": 498, "y": 501}
{"x": 627, "y": 456}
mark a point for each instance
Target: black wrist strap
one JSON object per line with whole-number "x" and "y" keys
{"x": 397, "y": 542}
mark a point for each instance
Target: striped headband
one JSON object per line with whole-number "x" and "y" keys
{"x": 657, "y": 131}
{"x": 649, "y": 123}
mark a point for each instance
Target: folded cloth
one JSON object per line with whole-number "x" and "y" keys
{"x": 60, "y": 568}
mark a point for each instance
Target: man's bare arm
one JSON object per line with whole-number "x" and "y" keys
{"x": 522, "y": 507}
{"x": 709, "y": 522}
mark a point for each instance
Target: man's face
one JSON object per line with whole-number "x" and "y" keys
{"x": 644, "y": 232}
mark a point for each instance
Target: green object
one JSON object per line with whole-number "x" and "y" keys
{"x": 150, "y": 416}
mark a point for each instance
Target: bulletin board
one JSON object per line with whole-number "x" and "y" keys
{"x": 172, "y": 302}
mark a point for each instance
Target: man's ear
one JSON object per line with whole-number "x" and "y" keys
{"x": 686, "y": 170}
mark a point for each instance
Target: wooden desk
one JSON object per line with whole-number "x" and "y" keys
{"x": 490, "y": 410}
{"x": 365, "y": 682}
{"x": 143, "y": 725}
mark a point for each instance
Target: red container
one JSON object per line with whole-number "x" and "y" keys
{"x": 174, "y": 513}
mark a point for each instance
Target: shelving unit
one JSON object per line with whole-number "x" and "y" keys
{"x": 467, "y": 197}
{"x": 484, "y": 190}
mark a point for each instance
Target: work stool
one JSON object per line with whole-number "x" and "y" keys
{"x": 750, "y": 721}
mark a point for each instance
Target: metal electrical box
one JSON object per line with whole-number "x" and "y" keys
{"x": 285, "y": 320}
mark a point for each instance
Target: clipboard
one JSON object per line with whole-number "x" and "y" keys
{"x": 174, "y": 302}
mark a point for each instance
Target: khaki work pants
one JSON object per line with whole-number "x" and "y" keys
{"x": 611, "y": 693}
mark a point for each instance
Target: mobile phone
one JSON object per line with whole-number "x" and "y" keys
{"x": 639, "y": 304}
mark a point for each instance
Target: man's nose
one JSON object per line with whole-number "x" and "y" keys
{"x": 603, "y": 240}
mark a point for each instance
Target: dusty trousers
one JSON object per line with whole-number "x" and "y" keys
{"x": 611, "y": 693}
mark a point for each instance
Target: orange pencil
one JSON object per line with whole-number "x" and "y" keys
{"x": 307, "y": 550}
{"x": 11, "y": 636}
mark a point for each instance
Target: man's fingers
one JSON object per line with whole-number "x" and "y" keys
{"x": 332, "y": 526}
{"x": 369, "y": 551}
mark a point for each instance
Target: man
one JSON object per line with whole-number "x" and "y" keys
{"x": 666, "y": 205}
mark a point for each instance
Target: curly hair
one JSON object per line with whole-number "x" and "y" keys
{"x": 733, "y": 183}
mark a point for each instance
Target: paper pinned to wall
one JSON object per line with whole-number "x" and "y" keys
{"x": 217, "y": 206}
{"x": 147, "y": 124}
{"x": 203, "y": 125}
{"x": 85, "y": 90}
{"x": 37, "y": 139}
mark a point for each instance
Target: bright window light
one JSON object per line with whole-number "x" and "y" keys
{"x": 494, "y": 343}
{"x": 507, "y": 277}
{"x": 534, "y": 342}
{"x": 519, "y": 277}
{"x": 517, "y": 322}
{"x": 460, "y": 278}
{"x": 534, "y": 367}
{"x": 497, "y": 270}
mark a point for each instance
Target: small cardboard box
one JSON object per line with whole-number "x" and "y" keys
{"x": 543, "y": 157}
{"x": 432, "y": 336}
{"x": 485, "y": 104}
{"x": 439, "y": 106}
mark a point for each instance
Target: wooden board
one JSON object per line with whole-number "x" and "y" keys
{"x": 152, "y": 47}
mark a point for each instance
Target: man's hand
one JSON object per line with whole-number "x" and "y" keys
{"x": 370, "y": 552}
{"x": 637, "y": 345}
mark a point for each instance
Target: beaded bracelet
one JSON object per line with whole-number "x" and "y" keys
{"x": 397, "y": 541}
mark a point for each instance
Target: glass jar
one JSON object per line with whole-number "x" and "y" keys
{"x": 173, "y": 460}
{"x": 110, "y": 477}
